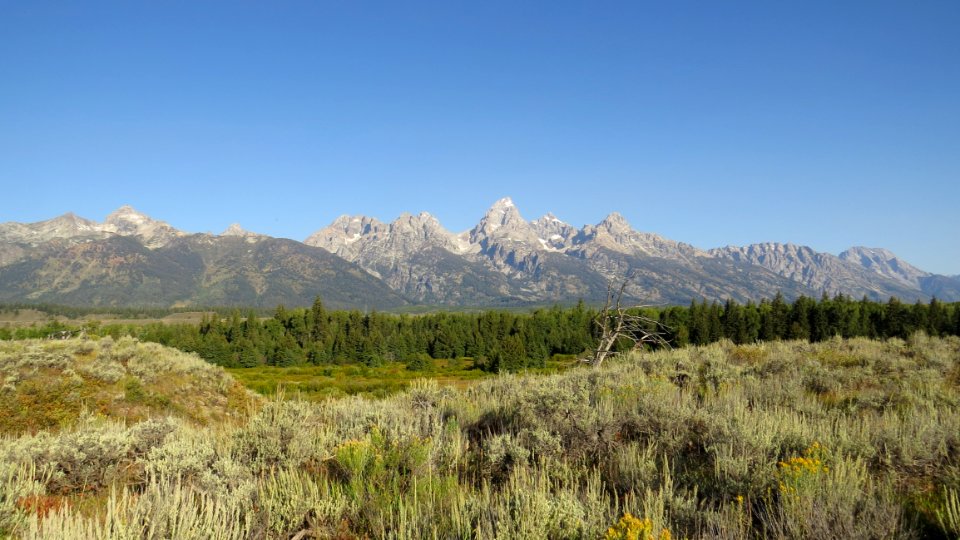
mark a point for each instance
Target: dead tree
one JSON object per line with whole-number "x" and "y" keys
{"x": 617, "y": 322}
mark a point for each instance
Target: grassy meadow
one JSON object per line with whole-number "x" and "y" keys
{"x": 849, "y": 438}
{"x": 314, "y": 383}
{"x": 26, "y": 317}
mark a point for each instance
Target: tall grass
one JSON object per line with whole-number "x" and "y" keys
{"x": 842, "y": 439}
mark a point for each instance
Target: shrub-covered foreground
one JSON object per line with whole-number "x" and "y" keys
{"x": 841, "y": 439}
{"x": 49, "y": 384}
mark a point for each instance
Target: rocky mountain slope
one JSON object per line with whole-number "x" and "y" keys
{"x": 886, "y": 264}
{"x": 132, "y": 259}
{"x": 548, "y": 260}
{"x": 819, "y": 271}
{"x": 359, "y": 261}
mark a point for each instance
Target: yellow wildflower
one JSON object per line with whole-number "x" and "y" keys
{"x": 800, "y": 471}
{"x": 632, "y": 528}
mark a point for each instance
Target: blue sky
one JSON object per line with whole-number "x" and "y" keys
{"x": 828, "y": 124}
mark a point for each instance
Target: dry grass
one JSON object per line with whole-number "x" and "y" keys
{"x": 49, "y": 384}
{"x": 843, "y": 439}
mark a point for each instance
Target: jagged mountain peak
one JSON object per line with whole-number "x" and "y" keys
{"x": 68, "y": 225}
{"x": 616, "y": 234}
{"x": 503, "y": 222}
{"x": 73, "y": 220}
{"x": 127, "y": 214}
{"x": 423, "y": 218}
{"x": 366, "y": 238}
{"x": 615, "y": 222}
{"x": 128, "y": 221}
{"x": 383, "y": 249}
{"x": 555, "y": 234}
{"x": 502, "y": 213}
{"x": 234, "y": 230}
{"x": 357, "y": 224}
{"x": 868, "y": 256}
{"x": 344, "y": 231}
{"x": 548, "y": 219}
{"x": 773, "y": 250}
{"x": 237, "y": 231}
{"x": 346, "y": 219}
{"x": 883, "y": 252}
{"x": 777, "y": 247}
{"x": 425, "y": 228}
{"x": 776, "y": 256}
{"x": 505, "y": 202}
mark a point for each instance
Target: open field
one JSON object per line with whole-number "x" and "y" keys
{"x": 334, "y": 381}
{"x": 27, "y": 317}
{"x": 321, "y": 382}
{"x": 841, "y": 439}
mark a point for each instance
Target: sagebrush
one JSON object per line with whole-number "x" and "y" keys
{"x": 840, "y": 439}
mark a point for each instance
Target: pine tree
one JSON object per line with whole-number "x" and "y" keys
{"x": 936, "y": 318}
{"x": 699, "y": 325}
{"x": 800, "y": 319}
{"x": 714, "y": 322}
{"x": 248, "y": 355}
{"x": 819, "y": 320}
{"x": 780, "y": 316}
{"x": 895, "y": 319}
{"x": 512, "y": 356}
{"x": 751, "y": 323}
{"x": 318, "y": 320}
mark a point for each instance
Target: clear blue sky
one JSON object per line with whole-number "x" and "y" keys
{"x": 828, "y": 124}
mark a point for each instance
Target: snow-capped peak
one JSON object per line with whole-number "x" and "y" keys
{"x": 505, "y": 202}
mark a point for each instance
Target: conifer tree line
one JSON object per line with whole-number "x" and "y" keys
{"x": 509, "y": 341}
{"x": 506, "y": 341}
{"x": 495, "y": 340}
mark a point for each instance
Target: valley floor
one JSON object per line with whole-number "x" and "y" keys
{"x": 840, "y": 439}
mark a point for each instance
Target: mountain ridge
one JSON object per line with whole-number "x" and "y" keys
{"x": 360, "y": 261}
{"x": 134, "y": 260}
{"x": 503, "y": 241}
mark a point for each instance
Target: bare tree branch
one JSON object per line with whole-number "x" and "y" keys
{"x": 616, "y": 323}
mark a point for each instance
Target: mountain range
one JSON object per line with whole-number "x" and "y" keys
{"x": 360, "y": 262}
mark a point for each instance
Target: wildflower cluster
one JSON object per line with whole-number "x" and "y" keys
{"x": 632, "y": 528}
{"x": 378, "y": 456}
{"x": 356, "y": 456}
{"x": 797, "y": 472}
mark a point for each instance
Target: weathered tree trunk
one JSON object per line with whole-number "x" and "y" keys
{"x": 616, "y": 322}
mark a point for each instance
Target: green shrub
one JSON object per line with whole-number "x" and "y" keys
{"x": 420, "y": 362}
{"x": 705, "y": 442}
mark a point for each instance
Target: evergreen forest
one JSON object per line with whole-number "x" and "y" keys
{"x": 504, "y": 340}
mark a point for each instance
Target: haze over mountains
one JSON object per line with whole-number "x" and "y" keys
{"x": 360, "y": 262}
